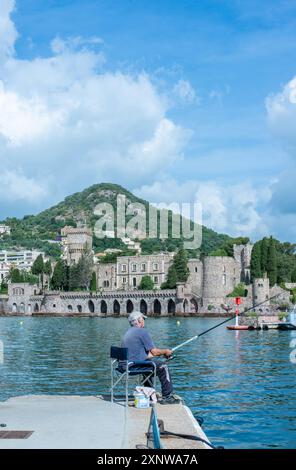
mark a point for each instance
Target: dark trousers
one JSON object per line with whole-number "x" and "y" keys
{"x": 163, "y": 373}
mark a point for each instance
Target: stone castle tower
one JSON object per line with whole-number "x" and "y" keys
{"x": 260, "y": 291}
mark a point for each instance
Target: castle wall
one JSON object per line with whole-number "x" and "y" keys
{"x": 195, "y": 279}
{"x": 220, "y": 275}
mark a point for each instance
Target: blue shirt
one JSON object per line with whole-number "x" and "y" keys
{"x": 139, "y": 343}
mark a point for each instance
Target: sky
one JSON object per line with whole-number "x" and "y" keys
{"x": 176, "y": 100}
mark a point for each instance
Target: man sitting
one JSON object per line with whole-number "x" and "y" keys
{"x": 141, "y": 347}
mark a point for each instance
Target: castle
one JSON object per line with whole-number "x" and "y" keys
{"x": 206, "y": 291}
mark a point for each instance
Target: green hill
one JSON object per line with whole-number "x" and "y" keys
{"x": 38, "y": 231}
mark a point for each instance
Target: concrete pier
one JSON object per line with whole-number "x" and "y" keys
{"x": 89, "y": 422}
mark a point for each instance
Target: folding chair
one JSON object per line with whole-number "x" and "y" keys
{"x": 128, "y": 369}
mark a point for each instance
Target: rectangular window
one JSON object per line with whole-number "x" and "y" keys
{"x": 134, "y": 267}
{"x": 143, "y": 267}
{"x": 123, "y": 268}
{"x": 155, "y": 266}
{"x": 134, "y": 282}
{"x": 124, "y": 280}
{"x": 155, "y": 279}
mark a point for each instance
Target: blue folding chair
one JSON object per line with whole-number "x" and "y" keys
{"x": 122, "y": 368}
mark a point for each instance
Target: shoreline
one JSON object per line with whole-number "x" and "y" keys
{"x": 91, "y": 315}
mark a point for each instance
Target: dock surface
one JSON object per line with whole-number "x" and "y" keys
{"x": 90, "y": 422}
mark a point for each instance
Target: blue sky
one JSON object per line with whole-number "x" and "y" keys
{"x": 176, "y": 100}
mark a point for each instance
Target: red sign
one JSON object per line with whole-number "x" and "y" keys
{"x": 238, "y": 300}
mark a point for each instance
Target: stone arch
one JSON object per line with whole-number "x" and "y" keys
{"x": 91, "y": 306}
{"x": 116, "y": 307}
{"x": 171, "y": 307}
{"x": 22, "y": 307}
{"x": 193, "y": 306}
{"x": 70, "y": 308}
{"x": 14, "y": 308}
{"x": 157, "y": 307}
{"x": 143, "y": 307}
{"x": 29, "y": 308}
{"x": 79, "y": 308}
{"x": 185, "y": 306}
{"x": 36, "y": 308}
{"x": 104, "y": 307}
{"x": 129, "y": 306}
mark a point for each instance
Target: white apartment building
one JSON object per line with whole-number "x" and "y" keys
{"x": 23, "y": 260}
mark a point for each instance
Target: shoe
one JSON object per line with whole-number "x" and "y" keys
{"x": 170, "y": 400}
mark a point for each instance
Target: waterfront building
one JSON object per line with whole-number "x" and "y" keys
{"x": 128, "y": 271}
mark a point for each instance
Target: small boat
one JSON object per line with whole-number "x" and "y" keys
{"x": 290, "y": 322}
{"x": 238, "y": 327}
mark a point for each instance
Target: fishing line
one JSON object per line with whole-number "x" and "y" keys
{"x": 222, "y": 323}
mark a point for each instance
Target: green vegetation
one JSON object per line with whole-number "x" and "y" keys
{"x": 226, "y": 249}
{"x": 282, "y": 315}
{"x": 178, "y": 271}
{"x": 15, "y": 275}
{"x": 93, "y": 282}
{"x": 239, "y": 291}
{"x": 59, "y": 280}
{"x": 3, "y": 288}
{"x": 80, "y": 274}
{"x": 146, "y": 283}
{"x": 276, "y": 259}
{"x": 41, "y": 231}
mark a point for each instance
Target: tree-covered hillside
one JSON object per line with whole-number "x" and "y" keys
{"x": 40, "y": 231}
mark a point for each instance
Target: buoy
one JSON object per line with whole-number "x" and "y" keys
{"x": 21, "y": 322}
{"x": 178, "y": 322}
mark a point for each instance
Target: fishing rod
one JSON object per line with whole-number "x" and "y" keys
{"x": 222, "y": 323}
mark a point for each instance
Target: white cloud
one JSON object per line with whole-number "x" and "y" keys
{"x": 14, "y": 185}
{"x": 185, "y": 93}
{"x": 281, "y": 111}
{"x": 68, "y": 120}
{"x": 236, "y": 209}
{"x": 8, "y": 33}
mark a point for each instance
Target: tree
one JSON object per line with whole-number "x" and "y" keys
{"x": 93, "y": 282}
{"x": 256, "y": 261}
{"x": 293, "y": 275}
{"x": 181, "y": 267}
{"x": 85, "y": 266}
{"x": 264, "y": 254}
{"x": 172, "y": 279}
{"x": 47, "y": 268}
{"x": 15, "y": 275}
{"x": 59, "y": 278}
{"x": 38, "y": 268}
{"x": 272, "y": 262}
{"x": 146, "y": 283}
{"x": 80, "y": 274}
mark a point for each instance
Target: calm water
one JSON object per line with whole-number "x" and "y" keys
{"x": 241, "y": 383}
